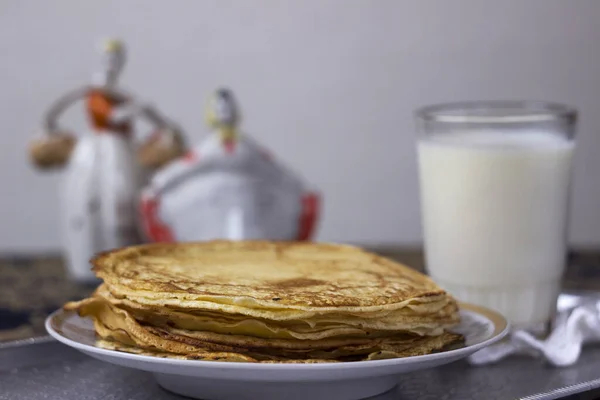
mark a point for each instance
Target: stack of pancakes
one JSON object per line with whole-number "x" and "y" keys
{"x": 259, "y": 301}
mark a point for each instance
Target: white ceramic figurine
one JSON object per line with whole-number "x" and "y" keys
{"x": 106, "y": 169}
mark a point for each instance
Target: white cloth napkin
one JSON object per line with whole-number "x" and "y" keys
{"x": 573, "y": 327}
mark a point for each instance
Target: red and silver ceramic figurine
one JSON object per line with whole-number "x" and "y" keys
{"x": 228, "y": 187}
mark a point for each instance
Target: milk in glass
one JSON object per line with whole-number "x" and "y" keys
{"x": 495, "y": 207}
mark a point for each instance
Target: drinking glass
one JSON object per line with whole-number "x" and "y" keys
{"x": 495, "y": 183}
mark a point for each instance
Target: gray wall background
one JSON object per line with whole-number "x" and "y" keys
{"x": 338, "y": 78}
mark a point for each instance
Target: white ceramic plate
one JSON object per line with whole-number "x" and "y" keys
{"x": 212, "y": 380}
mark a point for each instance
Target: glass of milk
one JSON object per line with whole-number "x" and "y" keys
{"x": 495, "y": 182}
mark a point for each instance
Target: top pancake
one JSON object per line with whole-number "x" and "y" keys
{"x": 262, "y": 274}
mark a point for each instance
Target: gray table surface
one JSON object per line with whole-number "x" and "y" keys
{"x": 49, "y": 370}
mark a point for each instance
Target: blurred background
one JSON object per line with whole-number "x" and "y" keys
{"x": 329, "y": 86}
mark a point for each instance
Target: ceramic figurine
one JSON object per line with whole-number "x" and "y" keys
{"x": 105, "y": 170}
{"x": 228, "y": 187}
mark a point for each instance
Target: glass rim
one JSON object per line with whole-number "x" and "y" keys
{"x": 497, "y": 112}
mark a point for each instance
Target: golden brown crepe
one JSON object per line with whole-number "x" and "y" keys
{"x": 260, "y": 301}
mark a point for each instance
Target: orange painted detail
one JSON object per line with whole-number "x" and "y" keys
{"x": 190, "y": 157}
{"x": 156, "y": 230}
{"x": 100, "y": 107}
{"x": 229, "y": 145}
{"x": 308, "y": 216}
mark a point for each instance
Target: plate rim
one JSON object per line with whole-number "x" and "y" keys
{"x": 501, "y": 329}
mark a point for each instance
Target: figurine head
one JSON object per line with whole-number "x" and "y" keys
{"x": 113, "y": 60}
{"x": 222, "y": 110}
